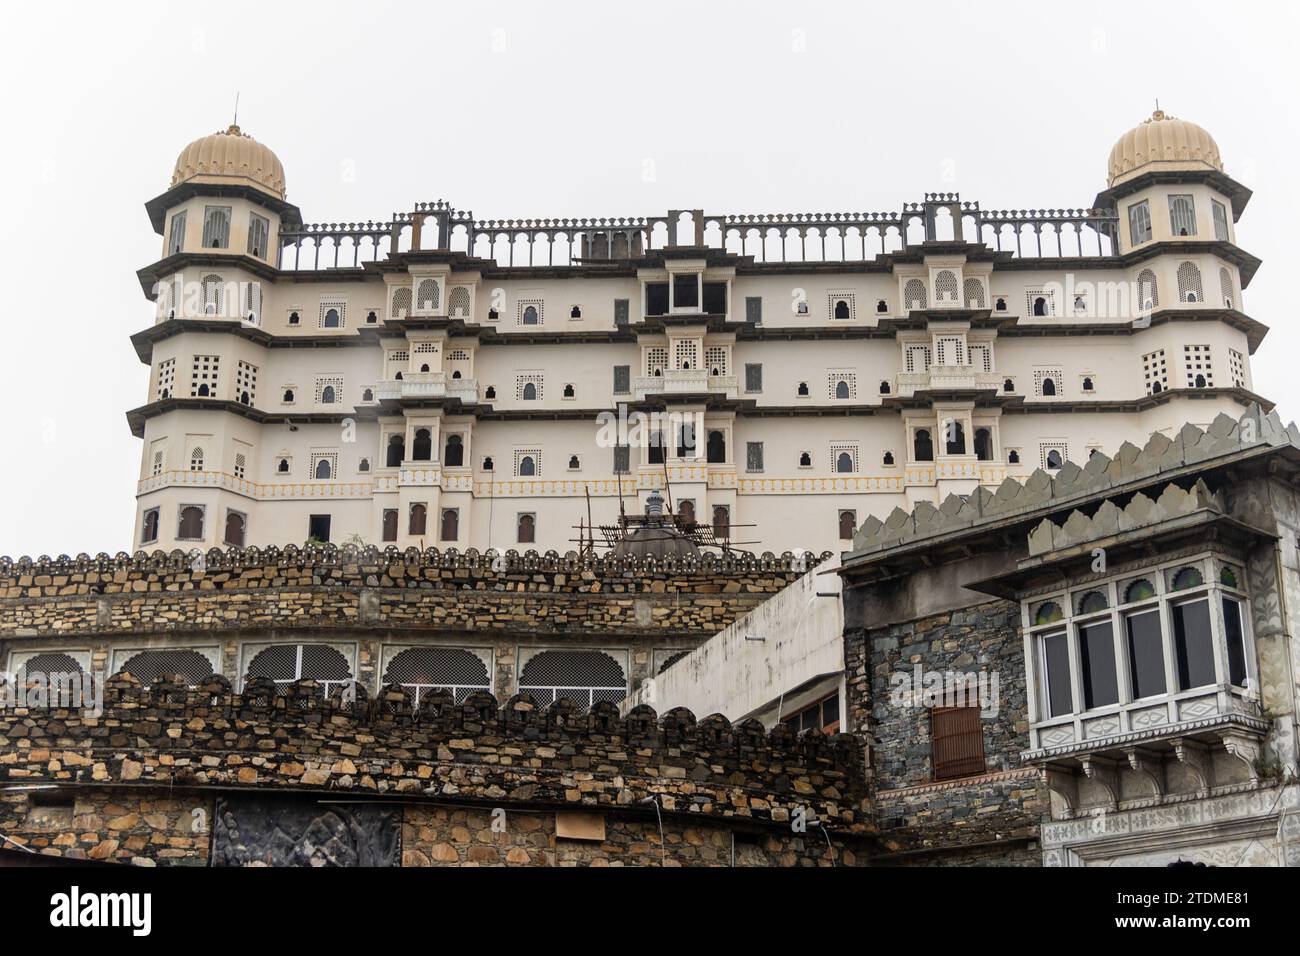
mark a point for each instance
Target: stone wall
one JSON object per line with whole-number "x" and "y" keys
{"x": 915, "y": 814}
{"x": 708, "y": 776}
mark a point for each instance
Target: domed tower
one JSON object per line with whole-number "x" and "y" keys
{"x": 220, "y": 221}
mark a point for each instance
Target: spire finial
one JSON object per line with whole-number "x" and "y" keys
{"x": 236, "y": 120}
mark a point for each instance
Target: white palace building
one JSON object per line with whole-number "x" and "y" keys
{"x": 440, "y": 380}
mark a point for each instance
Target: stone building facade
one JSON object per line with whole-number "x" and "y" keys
{"x": 439, "y": 379}
{"x": 1120, "y": 633}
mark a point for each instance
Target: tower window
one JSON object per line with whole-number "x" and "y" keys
{"x": 1182, "y": 215}
{"x": 716, "y": 450}
{"x": 983, "y": 444}
{"x": 149, "y": 527}
{"x": 1139, "y": 222}
{"x": 526, "y": 529}
{"x": 450, "y": 527}
{"x": 259, "y": 235}
{"x": 235, "y": 526}
{"x": 956, "y": 440}
{"x": 190, "y": 526}
{"x": 396, "y": 451}
{"x": 922, "y": 445}
{"x": 216, "y": 227}
{"x": 847, "y": 521}
{"x": 422, "y": 448}
{"x": 418, "y": 520}
{"x": 453, "y": 453}
{"x": 389, "y": 529}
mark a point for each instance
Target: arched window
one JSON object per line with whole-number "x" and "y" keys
{"x": 364, "y": 466}
{"x": 283, "y": 467}
{"x": 1013, "y": 457}
{"x": 888, "y": 458}
{"x": 488, "y": 464}
{"x": 422, "y": 447}
{"x": 1148, "y": 293}
{"x": 1139, "y": 590}
{"x": 419, "y": 519}
{"x": 490, "y": 392}
{"x": 1000, "y": 305}
{"x": 455, "y": 374}
{"x": 286, "y": 663}
{"x": 190, "y": 526}
{"x": 204, "y": 391}
{"x": 288, "y": 395}
{"x": 1049, "y": 612}
{"x": 397, "y": 377}
{"x": 427, "y": 295}
{"x": 582, "y": 676}
{"x": 244, "y": 398}
{"x": 1225, "y": 287}
{"x": 530, "y": 315}
{"x": 1040, "y": 305}
{"x": 450, "y": 529}
{"x": 390, "y": 524}
{"x": 396, "y": 451}
{"x": 983, "y": 444}
{"x": 527, "y": 467}
{"x": 686, "y": 511}
{"x": 214, "y": 295}
{"x": 575, "y": 312}
{"x": 331, "y": 319}
{"x": 422, "y": 669}
{"x": 847, "y": 519}
{"x": 1189, "y": 283}
{"x": 1087, "y": 383}
{"x": 805, "y": 460}
{"x": 721, "y": 521}
{"x": 1200, "y": 381}
{"x": 922, "y": 446}
{"x": 367, "y": 395}
{"x": 1053, "y": 460}
{"x": 453, "y": 453}
{"x": 844, "y": 463}
{"x": 530, "y": 392}
{"x": 884, "y": 388}
{"x": 235, "y": 529}
{"x": 324, "y": 471}
{"x": 294, "y": 318}
{"x": 371, "y": 317}
{"x": 196, "y": 459}
{"x": 914, "y": 295}
{"x": 1188, "y": 577}
{"x": 841, "y": 389}
{"x": 1049, "y": 387}
{"x": 955, "y": 442}
{"x": 150, "y": 530}
{"x": 841, "y": 309}
{"x": 149, "y": 667}
{"x": 1008, "y": 385}
{"x": 1092, "y": 602}
{"x": 574, "y": 463}
{"x": 424, "y": 367}
{"x": 568, "y": 391}
{"x": 327, "y": 395}
{"x": 401, "y": 303}
{"x": 882, "y": 306}
{"x": 802, "y": 391}
{"x": 716, "y": 450}
{"x": 526, "y": 529}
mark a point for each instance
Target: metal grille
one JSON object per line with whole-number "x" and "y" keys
{"x": 148, "y": 666}
{"x": 582, "y": 676}
{"x": 285, "y": 663}
{"x": 422, "y": 669}
{"x": 47, "y": 665}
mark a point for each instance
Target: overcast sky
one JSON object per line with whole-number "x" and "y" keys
{"x": 557, "y": 109}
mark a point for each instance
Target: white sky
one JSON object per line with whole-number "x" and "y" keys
{"x": 552, "y": 109}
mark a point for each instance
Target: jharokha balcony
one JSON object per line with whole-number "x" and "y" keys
{"x": 692, "y": 381}
{"x": 425, "y": 385}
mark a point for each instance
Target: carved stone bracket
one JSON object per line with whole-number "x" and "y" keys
{"x": 1105, "y": 773}
{"x": 1148, "y": 765}
{"x": 1196, "y": 758}
{"x": 1246, "y": 749}
{"x": 1061, "y": 780}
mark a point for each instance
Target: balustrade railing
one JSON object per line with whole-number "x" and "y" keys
{"x": 766, "y": 237}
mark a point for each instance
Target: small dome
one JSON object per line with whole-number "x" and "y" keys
{"x": 230, "y": 155}
{"x": 1162, "y": 142}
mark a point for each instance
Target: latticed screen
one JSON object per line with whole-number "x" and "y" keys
{"x": 148, "y": 666}
{"x": 47, "y": 665}
{"x": 581, "y": 676}
{"x": 425, "y": 668}
{"x": 284, "y": 663}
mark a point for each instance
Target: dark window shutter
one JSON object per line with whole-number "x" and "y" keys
{"x": 622, "y": 459}
{"x": 754, "y": 456}
{"x": 753, "y": 377}
{"x": 622, "y": 379}
{"x": 754, "y": 309}
{"x": 620, "y": 311}
{"x": 956, "y": 742}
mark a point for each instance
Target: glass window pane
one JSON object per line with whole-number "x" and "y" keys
{"x": 1236, "y": 639}
{"x": 1056, "y": 657}
{"x": 1146, "y": 655}
{"x": 1097, "y": 661}
{"x": 1193, "y": 644}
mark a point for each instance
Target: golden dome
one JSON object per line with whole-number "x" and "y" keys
{"x": 1162, "y": 142}
{"x": 230, "y": 156}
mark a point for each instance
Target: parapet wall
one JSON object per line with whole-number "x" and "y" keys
{"x": 332, "y": 587}
{"x": 293, "y": 739}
